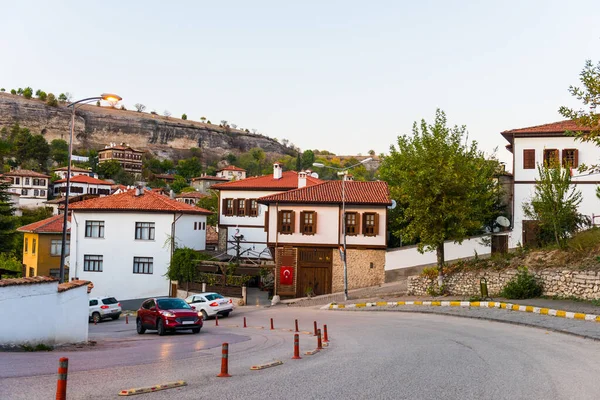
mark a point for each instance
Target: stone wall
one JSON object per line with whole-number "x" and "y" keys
{"x": 556, "y": 282}
{"x": 365, "y": 268}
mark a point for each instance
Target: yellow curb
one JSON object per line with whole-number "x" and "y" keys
{"x": 436, "y": 303}
{"x": 475, "y": 304}
{"x": 341, "y": 306}
{"x": 529, "y": 308}
{"x": 503, "y": 305}
{"x": 455, "y": 304}
{"x": 311, "y": 352}
{"x": 150, "y": 389}
{"x": 418, "y": 303}
{"x": 544, "y": 311}
{"x": 381, "y": 303}
{"x": 515, "y": 307}
{"x": 561, "y": 313}
{"x": 579, "y": 316}
{"x": 361, "y": 305}
{"x": 598, "y": 318}
{"x": 401, "y": 303}
{"x": 491, "y": 304}
{"x": 268, "y": 365}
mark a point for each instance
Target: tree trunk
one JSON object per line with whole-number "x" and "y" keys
{"x": 440, "y": 263}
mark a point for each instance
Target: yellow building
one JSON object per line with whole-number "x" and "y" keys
{"x": 42, "y": 244}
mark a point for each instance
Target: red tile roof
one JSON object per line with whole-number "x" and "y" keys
{"x": 210, "y": 178}
{"x": 53, "y": 224}
{"x": 63, "y": 287}
{"x": 26, "y": 173}
{"x": 85, "y": 179}
{"x": 149, "y": 201}
{"x": 551, "y": 129}
{"x": 231, "y": 168}
{"x": 288, "y": 181}
{"x": 33, "y": 280}
{"x": 330, "y": 192}
{"x": 191, "y": 195}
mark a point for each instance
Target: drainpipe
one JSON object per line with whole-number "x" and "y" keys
{"x": 275, "y": 299}
{"x": 76, "y": 243}
{"x": 175, "y": 219}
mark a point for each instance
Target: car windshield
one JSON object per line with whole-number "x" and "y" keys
{"x": 109, "y": 300}
{"x": 170, "y": 304}
{"x": 213, "y": 296}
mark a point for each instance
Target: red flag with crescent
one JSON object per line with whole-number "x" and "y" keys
{"x": 286, "y": 275}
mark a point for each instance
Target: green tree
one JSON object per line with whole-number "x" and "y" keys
{"x": 183, "y": 267}
{"x": 39, "y": 150}
{"x": 189, "y": 167}
{"x": 10, "y": 262}
{"x": 554, "y": 204}
{"x": 7, "y": 220}
{"x": 178, "y": 184}
{"x": 13, "y": 91}
{"x": 28, "y": 92}
{"x": 62, "y": 98}
{"x": 139, "y": 107}
{"x": 59, "y": 151}
{"x": 211, "y": 203}
{"x": 51, "y": 100}
{"x": 446, "y": 184}
{"x": 109, "y": 169}
{"x": 308, "y": 158}
{"x": 124, "y": 178}
{"x": 184, "y": 116}
{"x": 42, "y": 95}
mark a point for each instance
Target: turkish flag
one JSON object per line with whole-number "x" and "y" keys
{"x": 286, "y": 275}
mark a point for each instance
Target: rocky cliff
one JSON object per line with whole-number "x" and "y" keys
{"x": 95, "y": 127}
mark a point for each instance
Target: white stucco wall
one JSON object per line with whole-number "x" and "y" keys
{"x": 409, "y": 256}
{"x": 119, "y": 247}
{"x": 53, "y": 318}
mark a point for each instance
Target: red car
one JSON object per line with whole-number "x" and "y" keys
{"x": 167, "y": 314}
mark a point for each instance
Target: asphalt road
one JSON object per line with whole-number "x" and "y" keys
{"x": 374, "y": 355}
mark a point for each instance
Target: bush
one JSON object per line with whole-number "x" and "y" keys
{"x": 523, "y": 286}
{"x": 585, "y": 240}
{"x": 51, "y": 100}
{"x": 184, "y": 116}
{"x": 42, "y": 95}
{"x": 13, "y": 91}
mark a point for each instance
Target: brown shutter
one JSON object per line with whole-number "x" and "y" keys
{"x": 302, "y": 222}
{"x": 529, "y": 159}
{"x": 235, "y": 206}
{"x": 279, "y": 220}
{"x": 358, "y": 224}
{"x": 293, "y": 222}
{"x": 248, "y": 208}
{"x": 376, "y": 227}
{"x": 315, "y": 222}
{"x": 575, "y": 158}
{"x": 555, "y": 156}
{"x": 364, "y": 223}
{"x": 266, "y": 221}
{"x": 224, "y": 206}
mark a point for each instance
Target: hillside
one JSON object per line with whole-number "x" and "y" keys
{"x": 97, "y": 126}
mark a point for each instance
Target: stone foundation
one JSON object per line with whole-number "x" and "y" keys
{"x": 360, "y": 272}
{"x": 556, "y": 282}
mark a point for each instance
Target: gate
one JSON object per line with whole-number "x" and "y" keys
{"x": 314, "y": 271}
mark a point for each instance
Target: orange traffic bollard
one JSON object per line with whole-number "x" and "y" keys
{"x": 245, "y": 326}
{"x": 216, "y": 320}
{"x": 297, "y": 326}
{"x": 61, "y": 383}
{"x": 319, "y": 343}
{"x": 296, "y": 347}
{"x": 315, "y": 329}
{"x": 325, "y": 337}
{"x": 224, "y": 362}
{"x": 272, "y": 327}
{"x": 126, "y": 318}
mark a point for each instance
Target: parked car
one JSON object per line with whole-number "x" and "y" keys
{"x": 104, "y": 307}
{"x": 211, "y": 304}
{"x": 167, "y": 314}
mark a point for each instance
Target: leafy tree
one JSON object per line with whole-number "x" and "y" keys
{"x": 62, "y": 97}
{"x": 183, "y": 267}
{"x": 139, "y": 107}
{"x": 2, "y": 90}
{"x": 308, "y": 158}
{"x": 184, "y": 116}
{"x": 7, "y": 220}
{"x": 20, "y": 91}
{"x": 13, "y": 91}
{"x": 10, "y": 262}
{"x": 446, "y": 183}
{"x": 189, "y": 167}
{"x": 231, "y": 158}
{"x": 124, "y": 178}
{"x": 59, "y": 151}
{"x": 167, "y": 165}
{"x": 178, "y": 184}
{"x": 203, "y": 119}
{"x": 98, "y": 103}
{"x": 554, "y": 205}
{"x": 39, "y": 150}
{"x": 109, "y": 169}
{"x": 208, "y": 122}
{"x": 28, "y": 93}
{"x": 298, "y": 162}
{"x": 42, "y": 95}
{"x": 51, "y": 100}
{"x": 211, "y": 203}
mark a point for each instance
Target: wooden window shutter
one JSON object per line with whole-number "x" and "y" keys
{"x": 529, "y": 159}
{"x": 575, "y": 158}
{"x": 302, "y": 222}
{"x": 315, "y": 222}
{"x": 358, "y": 224}
{"x": 248, "y": 203}
{"x": 376, "y": 225}
{"x": 293, "y": 223}
{"x": 364, "y": 224}
{"x": 266, "y": 221}
{"x": 224, "y": 207}
{"x": 235, "y": 206}
{"x": 279, "y": 220}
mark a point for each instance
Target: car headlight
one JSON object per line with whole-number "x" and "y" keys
{"x": 200, "y": 315}
{"x": 167, "y": 314}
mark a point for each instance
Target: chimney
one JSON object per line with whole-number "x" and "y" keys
{"x": 277, "y": 171}
{"x": 348, "y": 177}
{"x": 172, "y": 195}
{"x": 301, "y": 179}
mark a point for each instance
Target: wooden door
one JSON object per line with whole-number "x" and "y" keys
{"x": 314, "y": 271}
{"x": 530, "y": 233}
{"x": 499, "y": 244}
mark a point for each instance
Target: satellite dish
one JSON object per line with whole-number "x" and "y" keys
{"x": 393, "y": 205}
{"x": 314, "y": 175}
{"x": 503, "y": 221}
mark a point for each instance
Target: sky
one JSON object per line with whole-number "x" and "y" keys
{"x": 344, "y": 76}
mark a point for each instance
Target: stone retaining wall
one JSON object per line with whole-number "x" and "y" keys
{"x": 556, "y": 282}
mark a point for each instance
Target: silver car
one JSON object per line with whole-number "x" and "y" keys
{"x": 210, "y": 304}
{"x": 104, "y": 307}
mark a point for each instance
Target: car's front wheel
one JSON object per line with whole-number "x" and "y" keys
{"x": 139, "y": 327}
{"x": 160, "y": 327}
{"x": 204, "y": 315}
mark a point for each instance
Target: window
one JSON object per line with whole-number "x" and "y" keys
{"x": 94, "y": 229}
{"x": 550, "y": 157}
{"x": 36, "y": 192}
{"x": 228, "y": 207}
{"x": 370, "y": 224}
{"x": 56, "y": 246}
{"x": 93, "y": 303}
{"x": 285, "y": 222}
{"x": 570, "y": 158}
{"x": 24, "y": 192}
{"x": 92, "y": 263}
{"x": 142, "y": 265}
{"x": 43, "y": 193}
{"x": 529, "y": 159}
{"x": 195, "y": 226}
{"x": 253, "y": 208}
{"x": 241, "y": 207}
{"x": 148, "y": 304}
{"x": 308, "y": 222}
{"x": 33, "y": 246}
{"x": 26, "y": 245}
{"x": 18, "y": 181}
{"x": 31, "y": 272}
{"x": 204, "y": 226}
{"x": 144, "y": 230}
{"x": 351, "y": 223}
{"x": 27, "y": 181}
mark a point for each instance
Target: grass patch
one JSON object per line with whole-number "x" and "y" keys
{"x": 37, "y": 347}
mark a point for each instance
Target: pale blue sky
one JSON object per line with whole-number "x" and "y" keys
{"x": 346, "y": 76}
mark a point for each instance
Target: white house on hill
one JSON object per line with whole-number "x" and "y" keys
{"x": 122, "y": 243}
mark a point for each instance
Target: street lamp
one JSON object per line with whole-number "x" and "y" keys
{"x": 343, "y": 172}
{"x": 105, "y": 96}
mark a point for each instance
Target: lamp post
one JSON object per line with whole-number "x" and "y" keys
{"x": 343, "y": 172}
{"x": 104, "y": 96}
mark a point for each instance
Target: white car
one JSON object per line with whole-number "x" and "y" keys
{"x": 104, "y": 307}
{"x": 210, "y": 304}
